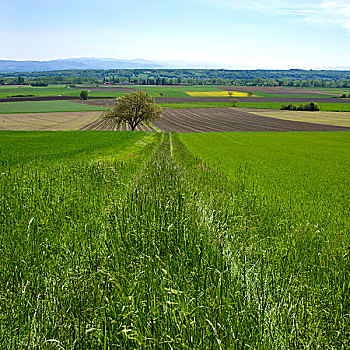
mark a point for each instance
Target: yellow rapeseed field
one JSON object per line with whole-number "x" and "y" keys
{"x": 216, "y": 94}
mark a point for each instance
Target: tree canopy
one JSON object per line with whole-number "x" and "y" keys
{"x": 135, "y": 108}
{"x": 84, "y": 94}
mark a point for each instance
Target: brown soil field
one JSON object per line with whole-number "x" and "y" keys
{"x": 277, "y": 90}
{"x": 47, "y": 121}
{"x": 105, "y": 124}
{"x": 320, "y": 117}
{"x": 253, "y": 99}
{"x": 227, "y": 119}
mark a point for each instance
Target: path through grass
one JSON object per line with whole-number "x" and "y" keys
{"x": 161, "y": 251}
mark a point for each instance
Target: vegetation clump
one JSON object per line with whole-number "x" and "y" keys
{"x": 84, "y": 94}
{"x": 135, "y": 108}
{"x": 309, "y": 106}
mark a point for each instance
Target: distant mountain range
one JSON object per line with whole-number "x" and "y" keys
{"x": 12, "y": 66}
{"x": 96, "y": 63}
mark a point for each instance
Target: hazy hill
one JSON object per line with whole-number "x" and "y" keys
{"x": 8, "y": 66}
{"x": 75, "y": 63}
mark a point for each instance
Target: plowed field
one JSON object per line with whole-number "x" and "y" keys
{"x": 47, "y": 121}
{"x": 224, "y": 119}
{"x": 105, "y": 124}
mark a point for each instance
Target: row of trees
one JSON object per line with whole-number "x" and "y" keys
{"x": 309, "y": 106}
{"x": 45, "y": 81}
{"x": 294, "y": 77}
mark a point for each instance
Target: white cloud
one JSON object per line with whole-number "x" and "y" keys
{"x": 338, "y": 12}
{"x": 313, "y": 11}
{"x": 273, "y": 6}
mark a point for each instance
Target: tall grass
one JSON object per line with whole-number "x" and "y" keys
{"x": 161, "y": 251}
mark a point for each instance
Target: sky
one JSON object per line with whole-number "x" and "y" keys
{"x": 269, "y": 34}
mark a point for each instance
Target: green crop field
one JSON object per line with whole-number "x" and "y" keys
{"x": 45, "y": 107}
{"x": 52, "y": 90}
{"x": 270, "y": 95}
{"x": 136, "y": 240}
{"x": 155, "y": 90}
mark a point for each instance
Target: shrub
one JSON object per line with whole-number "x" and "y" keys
{"x": 39, "y": 83}
{"x": 309, "y": 106}
{"x": 84, "y": 94}
{"x": 289, "y": 107}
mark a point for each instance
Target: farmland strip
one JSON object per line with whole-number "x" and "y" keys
{"x": 224, "y": 119}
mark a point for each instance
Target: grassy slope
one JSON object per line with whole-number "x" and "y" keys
{"x": 306, "y": 172}
{"x": 23, "y": 147}
{"x": 302, "y": 179}
{"x": 163, "y": 251}
{"x": 52, "y": 90}
{"x": 45, "y": 106}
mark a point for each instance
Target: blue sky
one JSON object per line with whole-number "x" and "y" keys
{"x": 236, "y": 34}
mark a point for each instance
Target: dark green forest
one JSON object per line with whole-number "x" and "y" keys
{"x": 292, "y": 77}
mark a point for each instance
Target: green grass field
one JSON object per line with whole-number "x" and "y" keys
{"x": 194, "y": 241}
{"x": 23, "y": 147}
{"x": 45, "y": 107}
{"x": 51, "y": 90}
{"x": 265, "y": 94}
{"x": 167, "y": 91}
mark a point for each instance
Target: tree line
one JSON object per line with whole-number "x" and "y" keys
{"x": 293, "y": 77}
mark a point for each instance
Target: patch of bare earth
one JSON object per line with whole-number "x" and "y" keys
{"x": 108, "y": 124}
{"x": 47, "y": 121}
{"x": 229, "y": 119}
{"x": 319, "y": 117}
